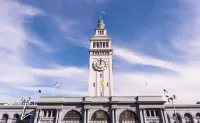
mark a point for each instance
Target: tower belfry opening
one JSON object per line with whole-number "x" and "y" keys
{"x": 100, "y": 69}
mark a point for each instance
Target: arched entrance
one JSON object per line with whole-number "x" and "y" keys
{"x": 198, "y": 117}
{"x": 100, "y": 117}
{"x": 128, "y": 116}
{"x": 16, "y": 118}
{"x": 72, "y": 117}
{"x": 188, "y": 118}
{"x": 4, "y": 118}
{"x": 177, "y": 118}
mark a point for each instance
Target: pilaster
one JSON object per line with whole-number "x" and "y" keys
{"x": 57, "y": 118}
{"x": 113, "y": 115}
{"x": 141, "y": 116}
{"x": 144, "y": 115}
{"x": 60, "y": 116}
{"x": 40, "y": 116}
{"x": 85, "y": 115}
{"x": 162, "y": 116}
{"x": 165, "y": 115}
{"x": 9, "y": 120}
{"x": 36, "y": 116}
{"x": 88, "y": 115}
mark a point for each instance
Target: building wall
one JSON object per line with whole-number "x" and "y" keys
{"x": 87, "y": 106}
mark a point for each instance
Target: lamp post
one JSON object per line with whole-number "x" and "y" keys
{"x": 171, "y": 99}
{"x": 24, "y": 102}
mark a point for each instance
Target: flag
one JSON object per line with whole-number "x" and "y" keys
{"x": 165, "y": 91}
{"x": 56, "y": 84}
{"x": 103, "y": 12}
{"x": 39, "y": 91}
{"x": 102, "y": 84}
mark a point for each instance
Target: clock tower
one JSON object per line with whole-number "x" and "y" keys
{"x": 100, "y": 63}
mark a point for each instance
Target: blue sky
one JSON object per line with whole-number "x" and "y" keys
{"x": 46, "y": 40}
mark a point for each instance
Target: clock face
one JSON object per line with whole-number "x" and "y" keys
{"x": 100, "y": 64}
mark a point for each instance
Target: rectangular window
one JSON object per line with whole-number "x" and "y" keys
{"x": 152, "y": 113}
{"x": 107, "y": 44}
{"x": 100, "y": 75}
{"x": 101, "y": 94}
{"x": 49, "y": 113}
{"x": 107, "y": 84}
{"x": 147, "y": 113}
{"x": 54, "y": 114}
{"x": 45, "y": 113}
{"x": 94, "y": 44}
{"x": 93, "y": 84}
{"x": 157, "y": 114}
{"x": 104, "y": 45}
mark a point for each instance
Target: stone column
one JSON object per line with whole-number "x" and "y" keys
{"x": 162, "y": 116}
{"x": 141, "y": 116}
{"x": 183, "y": 119}
{"x": 57, "y": 112}
{"x": 113, "y": 115}
{"x": 116, "y": 113}
{"x": 88, "y": 115}
{"x": 144, "y": 115}
{"x": 60, "y": 116}
{"x": 40, "y": 116}
{"x": 36, "y": 116}
{"x": 85, "y": 115}
{"x": 165, "y": 115}
{"x": 9, "y": 120}
{"x": 195, "y": 119}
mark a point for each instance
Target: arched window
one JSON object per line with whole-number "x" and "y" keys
{"x": 188, "y": 118}
{"x": 15, "y": 118}
{"x": 100, "y": 116}
{"x": 177, "y": 118}
{"x": 168, "y": 118}
{"x": 128, "y": 115}
{"x": 72, "y": 116}
{"x": 198, "y": 117}
{"x": 4, "y": 118}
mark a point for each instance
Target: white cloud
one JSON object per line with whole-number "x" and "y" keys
{"x": 14, "y": 41}
{"x": 16, "y": 72}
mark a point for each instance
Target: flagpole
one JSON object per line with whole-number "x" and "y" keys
{"x": 37, "y": 97}
{"x": 53, "y": 90}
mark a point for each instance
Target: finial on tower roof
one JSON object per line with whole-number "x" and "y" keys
{"x": 100, "y": 24}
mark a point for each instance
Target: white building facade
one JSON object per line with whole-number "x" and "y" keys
{"x": 101, "y": 106}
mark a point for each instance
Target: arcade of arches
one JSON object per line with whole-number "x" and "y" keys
{"x": 100, "y": 117}
{"x": 15, "y": 119}
{"x": 188, "y": 118}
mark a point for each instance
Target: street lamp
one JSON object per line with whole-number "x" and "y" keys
{"x": 171, "y": 99}
{"x": 24, "y": 102}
